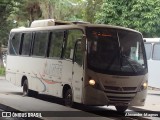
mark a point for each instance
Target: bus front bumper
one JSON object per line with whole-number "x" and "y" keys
{"x": 97, "y": 97}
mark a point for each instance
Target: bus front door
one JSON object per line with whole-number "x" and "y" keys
{"x": 77, "y": 73}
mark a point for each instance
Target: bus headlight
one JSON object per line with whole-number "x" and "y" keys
{"x": 92, "y": 82}
{"x": 144, "y": 86}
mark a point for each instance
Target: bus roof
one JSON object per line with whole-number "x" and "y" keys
{"x": 46, "y": 28}
{"x": 50, "y": 24}
{"x": 109, "y": 26}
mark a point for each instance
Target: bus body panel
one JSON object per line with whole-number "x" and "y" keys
{"x": 44, "y": 75}
{"x": 77, "y": 83}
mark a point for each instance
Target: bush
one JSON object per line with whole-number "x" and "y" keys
{"x": 2, "y": 71}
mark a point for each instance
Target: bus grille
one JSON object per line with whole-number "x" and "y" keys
{"x": 120, "y": 94}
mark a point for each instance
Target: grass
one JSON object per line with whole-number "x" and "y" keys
{"x": 2, "y": 71}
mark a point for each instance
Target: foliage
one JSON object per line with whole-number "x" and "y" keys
{"x": 62, "y": 9}
{"x": 92, "y": 6}
{"x": 142, "y": 15}
{"x": 6, "y": 6}
{"x": 26, "y": 11}
{"x": 2, "y": 71}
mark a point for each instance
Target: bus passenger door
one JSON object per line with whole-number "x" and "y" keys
{"x": 77, "y": 73}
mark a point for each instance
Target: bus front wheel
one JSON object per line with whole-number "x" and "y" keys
{"x": 121, "y": 109}
{"x": 68, "y": 98}
{"x": 27, "y": 91}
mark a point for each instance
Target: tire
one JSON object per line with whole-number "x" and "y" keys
{"x": 121, "y": 109}
{"x": 68, "y": 98}
{"x": 27, "y": 91}
{"x": 25, "y": 88}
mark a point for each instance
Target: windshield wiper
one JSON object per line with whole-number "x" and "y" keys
{"x": 121, "y": 56}
{"x": 129, "y": 63}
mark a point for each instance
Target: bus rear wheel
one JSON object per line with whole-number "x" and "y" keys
{"x": 27, "y": 91}
{"x": 68, "y": 98}
{"x": 121, "y": 109}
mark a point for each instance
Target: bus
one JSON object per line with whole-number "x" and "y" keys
{"x": 152, "y": 46}
{"x": 91, "y": 64}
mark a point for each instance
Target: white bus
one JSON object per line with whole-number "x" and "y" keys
{"x": 83, "y": 63}
{"x": 152, "y": 46}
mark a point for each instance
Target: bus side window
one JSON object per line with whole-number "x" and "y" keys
{"x": 56, "y": 44}
{"x": 14, "y": 44}
{"x": 156, "y": 49}
{"x": 148, "y": 48}
{"x": 78, "y": 54}
{"x": 40, "y": 43}
{"x": 73, "y": 35}
{"x": 26, "y": 43}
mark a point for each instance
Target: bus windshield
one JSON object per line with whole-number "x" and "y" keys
{"x": 115, "y": 51}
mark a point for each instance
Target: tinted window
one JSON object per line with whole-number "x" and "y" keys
{"x": 27, "y": 38}
{"x": 148, "y": 48}
{"x": 14, "y": 44}
{"x": 78, "y": 54}
{"x": 156, "y": 51}
{"x": 56, "y": 43}
{"x": 41, "y": 38}
{"x": 73, "y": 35}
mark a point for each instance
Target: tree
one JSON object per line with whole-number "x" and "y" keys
{"x": 142, "y": 15}
{"x": 91, "y": 7}
{"x": 6, "y": 6}
{"x": 27, "y": 11}
{"x": 62, "y": 9}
